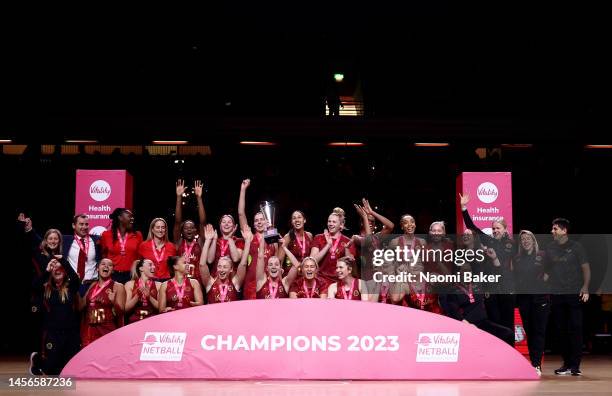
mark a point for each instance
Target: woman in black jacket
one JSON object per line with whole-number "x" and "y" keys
{"x": 57, "y": 288}
{"x": 500, "y": 298}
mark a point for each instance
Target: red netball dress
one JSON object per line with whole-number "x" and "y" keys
{"x": 192, "y": 252}
{"x": 179, "y": 296}
{"x": 352, "y": 293}
{"x": 272, "y": 289}
{"x": 143, "y": 308}
{"x": 221, "y": 250}
{"x": 384, "y": 295}
{"x": 250, "y": 281}
{"x": 100, "y": 316}
{"x": 327, "y": 266}
{"x": 300, "y": 248}
{"x": 318, "y": 287}
{"x": 424, "y": 300}
{"x": 222, "y": 291}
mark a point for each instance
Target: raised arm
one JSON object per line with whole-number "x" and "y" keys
{"x": 242, "y": 267}
{"x": 178, "y": 210}
{"x": 261, "y": 265}
{"x": 73, "y": 278}
{"x": 235, "y": 253}
{"x": 209, "y": 234}
{"x": 212, "y": 248}
{"x": 242, "y": 218}
{"x": 280, "y": 253}
{"x": 293, "y": 271}
{"x": 25, "y": 228}
{"x": 387, "y": 224}
{"x": 467, "y": 219}
{"x": 199, "y": 189}
{"x": 361, "y": 211}
{"x": 319, "y": 254}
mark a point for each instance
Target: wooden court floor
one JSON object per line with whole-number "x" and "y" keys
{"x": 596, "y": 380}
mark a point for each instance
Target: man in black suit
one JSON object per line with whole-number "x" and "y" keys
{"x": 80, "y": 249}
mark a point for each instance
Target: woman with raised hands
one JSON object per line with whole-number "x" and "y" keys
{"x": 186, "y": 234}
{"x": 57, "y": 287}
{"x": 180, "y": 291}
{"x": 347, "y": 287}
{"x": 270, "y": 281}
{"x": 142, "y": 291}
{"x": 260, "y": 225}
{"x": 227, "y": 245}
{"x": 500, "y": 302}
{"x": 329, "y": 246}
{"x": 226, "y": 285}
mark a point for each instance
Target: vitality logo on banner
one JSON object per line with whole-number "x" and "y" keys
{"x": 487, "y": 192}
{"x": 100, "y": 190}
{"x": 162, "y": 347}
{"x": 438, "y": 347}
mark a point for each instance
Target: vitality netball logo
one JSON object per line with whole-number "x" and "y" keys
{"x": 100, "y": 190}
{"x": 438, "y": 347}
{"x": 163, "y": 347}
{"x": 487, "y": 192}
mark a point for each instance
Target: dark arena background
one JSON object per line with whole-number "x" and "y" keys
{"x": 221, "y": 94}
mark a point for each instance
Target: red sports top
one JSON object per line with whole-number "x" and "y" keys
{"x": 173, "y": 299}
{"x": 216, "y": 295}
{"x": 111, "y": 249}
{"x": 160, "y": 258}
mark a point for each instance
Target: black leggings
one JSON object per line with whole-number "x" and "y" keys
{"x": 59, "y": 346}
{"x": 534, "y": 313}
{"x": 500, "y": 309}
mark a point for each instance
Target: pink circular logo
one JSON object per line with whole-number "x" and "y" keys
{"x": 487, "y": 192}
{"x": 100, "y": 190}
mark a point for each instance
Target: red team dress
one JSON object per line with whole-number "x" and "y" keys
{"x": 148, "y": 251}
{"x": 268, "y": 290}
{"x": 384, "y": 295}
{"x": 122, "y": 252}
{"x": 221, "y": 292}
{"x": 143, "y": 308}
{"x": 250, "y": 281}
{"x": 100, "y": 318}
{"x": 303, "y": 291}
{"x": 179, "y": 296}
{"x": 352, "y": 294}
{"x": 327, "y": 266}
{"x": 221, "y": 250}
{"x": 432, "y": 264}
{"x": 192, "y": 252}
{"x": 299, "y": 248}
{"x": 426, "y": 301}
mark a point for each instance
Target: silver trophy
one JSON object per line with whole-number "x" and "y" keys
{"x": 269, "y": 212}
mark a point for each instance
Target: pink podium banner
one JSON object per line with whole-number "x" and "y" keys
{"x": 490, "y": 198}
{"x": 300, "y": 339}
{"x": 99, "y": 192}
